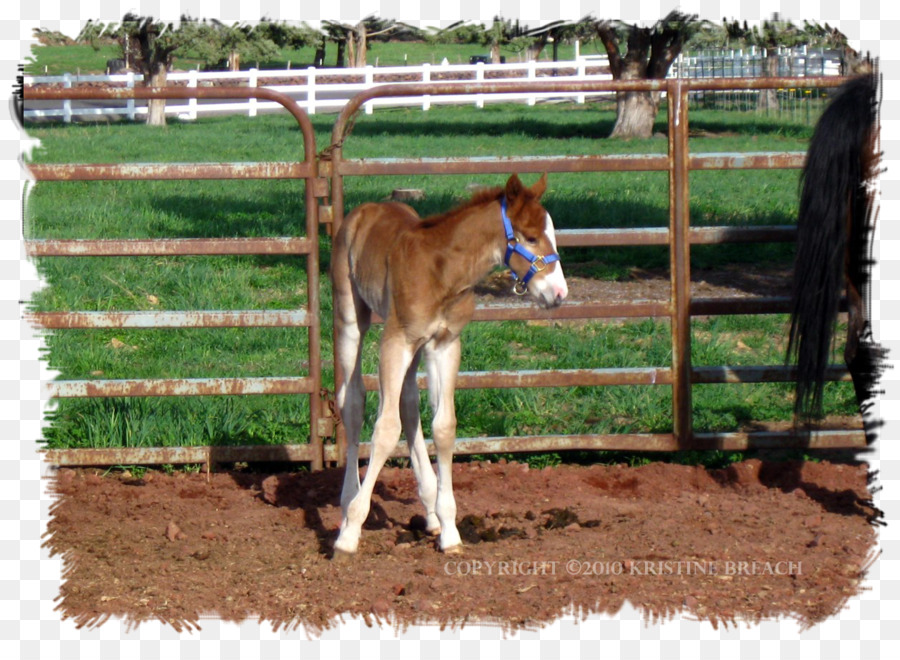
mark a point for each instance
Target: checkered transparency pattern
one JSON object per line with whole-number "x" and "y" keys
{"x": 31, "y": 628}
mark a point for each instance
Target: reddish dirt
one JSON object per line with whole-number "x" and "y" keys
{"x": 755, "y": 540}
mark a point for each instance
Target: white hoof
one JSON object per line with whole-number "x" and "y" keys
{"x": 346, "y": 544}
{"x": 342, "y": 556}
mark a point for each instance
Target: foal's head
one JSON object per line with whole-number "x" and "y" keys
{"x": 531, "y": 252}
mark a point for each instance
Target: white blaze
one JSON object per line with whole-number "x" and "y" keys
{"x": 555, "y": 279}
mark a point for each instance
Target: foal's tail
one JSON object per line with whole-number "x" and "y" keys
{"x": 833, "y": 244}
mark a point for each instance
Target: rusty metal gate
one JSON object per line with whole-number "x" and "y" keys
{"x": 306, "y": 169}
{"x": 316, "y": 172}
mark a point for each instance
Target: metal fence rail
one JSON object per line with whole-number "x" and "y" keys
{"x": 679, "y": 308}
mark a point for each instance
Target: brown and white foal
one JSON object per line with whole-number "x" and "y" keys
{"x": 419, "y": 275}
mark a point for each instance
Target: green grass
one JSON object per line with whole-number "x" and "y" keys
{"x": 275, "y": 208}
{"x": 57, "y": 60}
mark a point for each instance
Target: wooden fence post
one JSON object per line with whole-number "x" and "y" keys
{"x": 67, "y": 104}
{"x": 532, "y": 75}
{"x": 311, "y": 90}
{"x": 192, "y": 103}
{"x": 479, "y": 77}
{"x": 253, "y": 82}
{"x": 130, "y": 104}
{"x": 370, "y": 81}
{"x": 426, "y": 78}
{"x": 582, "y": 74}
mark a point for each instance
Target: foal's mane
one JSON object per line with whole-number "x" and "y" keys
{"x": 480, "y": 197}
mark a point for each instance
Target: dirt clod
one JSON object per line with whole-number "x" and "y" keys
{"x": 173, "y": 532}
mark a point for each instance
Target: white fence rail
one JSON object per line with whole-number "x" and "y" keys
{"x": 324, "y": 89}
{"x": 330, "y": 89}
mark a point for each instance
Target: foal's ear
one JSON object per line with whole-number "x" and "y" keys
{"x": 540, "y": 187}
{"x": 514, "y": 187}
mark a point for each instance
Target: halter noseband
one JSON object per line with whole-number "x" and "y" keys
{"x": 538, "y": 263}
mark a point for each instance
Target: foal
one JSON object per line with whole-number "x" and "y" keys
{"x": 419, "y": 275}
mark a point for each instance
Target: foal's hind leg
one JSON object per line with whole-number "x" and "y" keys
{"x": 351, "y": 323}
{"x": 396, "y": 356}
{"x": 351, "y": 400}
{"x": 411, "y": 420}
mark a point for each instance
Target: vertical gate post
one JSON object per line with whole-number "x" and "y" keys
{"x": 310, "y": 192}
{"x": 337, "y": 204}
{"x": 680, "y": 260}
{"x": 314, "y": 330}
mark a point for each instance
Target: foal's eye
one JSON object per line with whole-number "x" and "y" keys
{"x": 531, "y": 240}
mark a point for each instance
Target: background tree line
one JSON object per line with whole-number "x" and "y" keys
{"x": 635, "y": 52}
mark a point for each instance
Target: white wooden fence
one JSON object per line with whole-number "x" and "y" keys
{"x": 325, "y": 89}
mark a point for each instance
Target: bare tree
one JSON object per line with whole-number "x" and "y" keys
{"x": 215, "y": 42}
{"x": 559, "y": 32}
{"x": 825, "y": 36}
{"x": 353, "y": 40}
{"x": 768, "y": 37}
{"x": 504, "y": 33}
{"x": 641, "y": 53}
{"x": 153, "y": 45}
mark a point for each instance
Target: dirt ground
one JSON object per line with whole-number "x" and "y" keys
{"x": 752, "y": 541}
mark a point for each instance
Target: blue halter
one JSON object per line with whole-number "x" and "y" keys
{"x": 538, "y": 263}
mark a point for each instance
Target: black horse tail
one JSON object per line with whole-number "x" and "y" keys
{"x": 834, "y": 228}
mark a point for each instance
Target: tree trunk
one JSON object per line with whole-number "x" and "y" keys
{"x": 635, "y": 111}
{"x": 495, "y": 53}
{"x": 635, "y": 114}
{"x": 535, "y": 50}
{"x": 768, "y": 98}
{"x": 156, "y": 108}
{"x": 234, "y": 61}
{"x": 359, "y": 41}
{"x": 351, "y": 49}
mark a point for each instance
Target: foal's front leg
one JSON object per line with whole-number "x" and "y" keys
{"x": 396, "y": 356}
{"x": 443, "y": 365}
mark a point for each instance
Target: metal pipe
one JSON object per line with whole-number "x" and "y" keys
{"x": 180, "y": 455}
{"x": 172, "y": 319}
{"x": 32, "y": 93}
{"x": 168, "y": 171}
{"x": 181, "y": 387}
{"x": 151, "y": 247}
{"x": 680, "y": 260}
